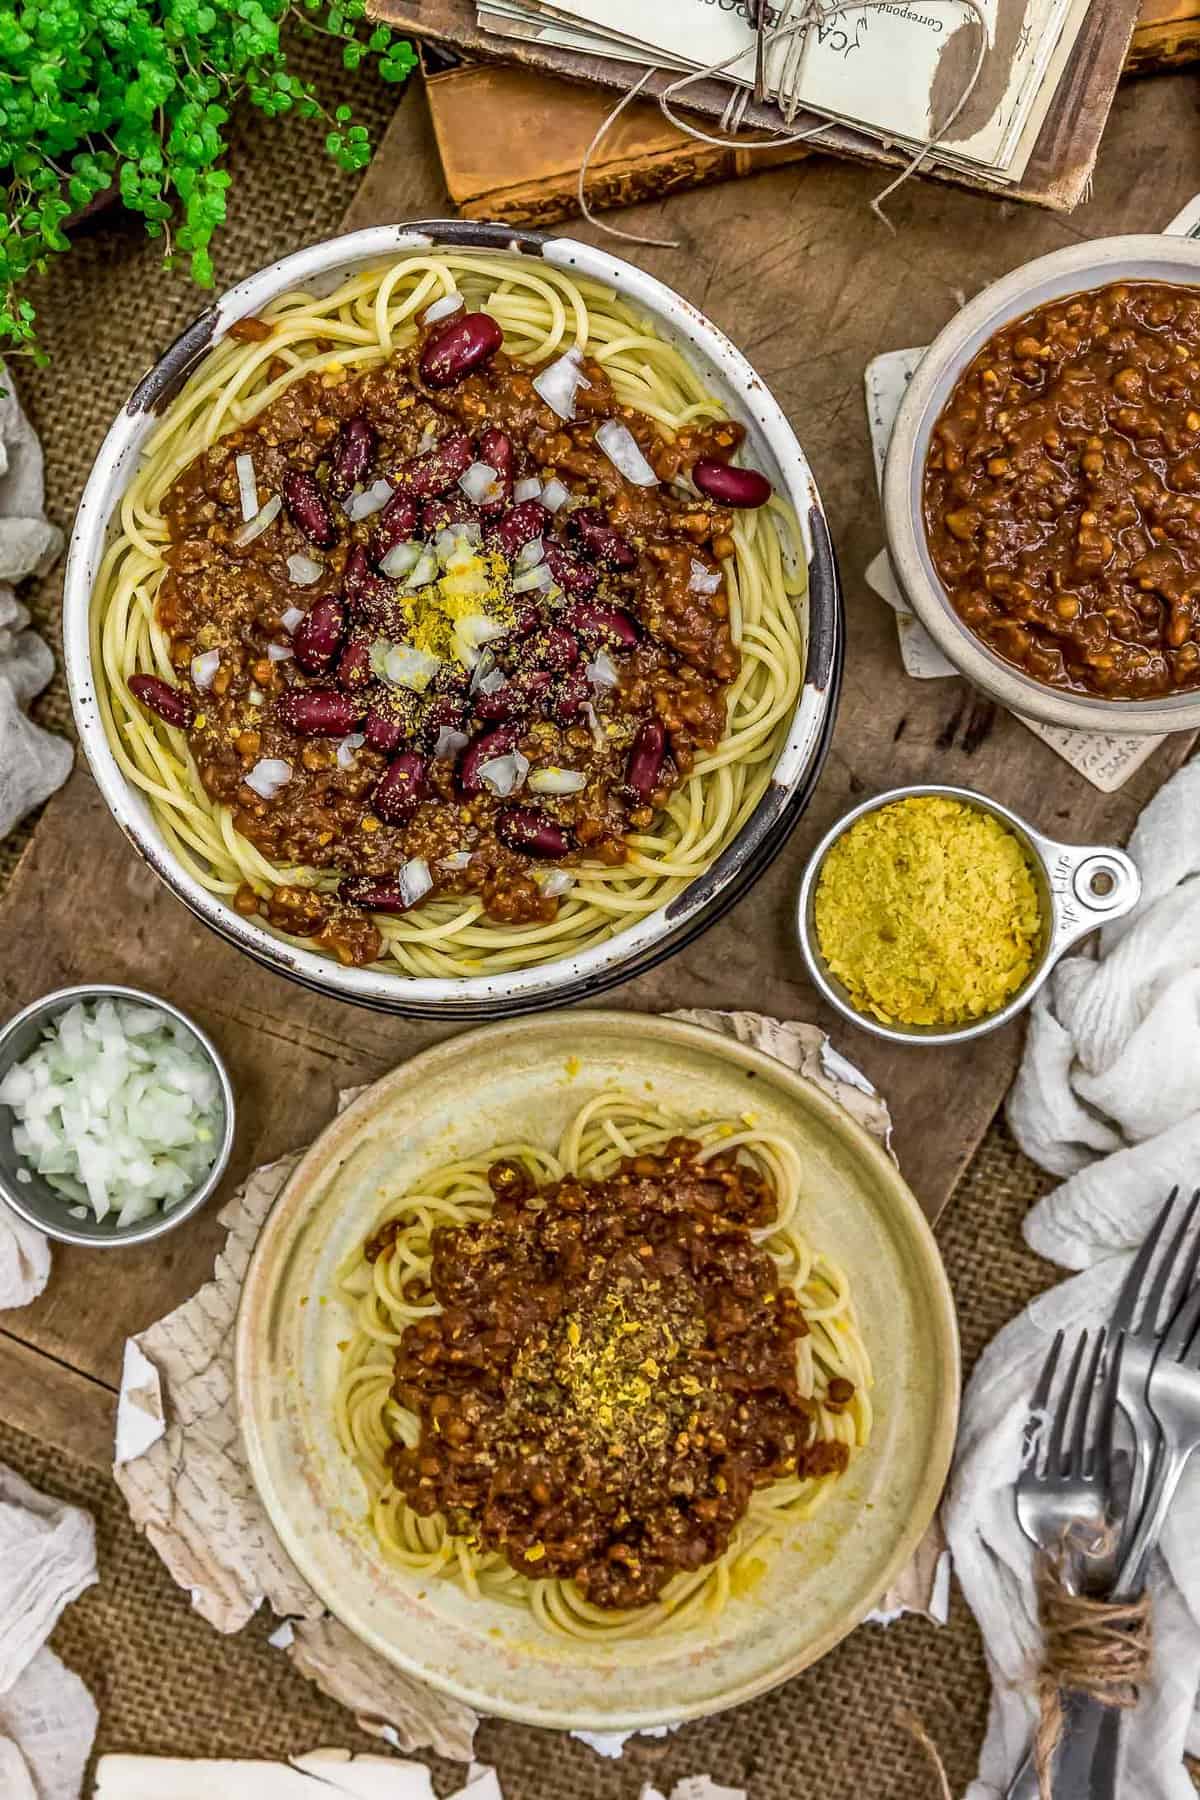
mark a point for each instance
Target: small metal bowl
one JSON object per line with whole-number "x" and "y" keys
{"x": 35, "y": 1200}
{"x": 1080, "y": 887}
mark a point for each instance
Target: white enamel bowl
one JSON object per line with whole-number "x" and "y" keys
{"x": 772, "y": 447}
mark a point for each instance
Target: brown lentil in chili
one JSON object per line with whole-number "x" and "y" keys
{"x": 1062, "y": 492}
{"x": 611, "y": 1375}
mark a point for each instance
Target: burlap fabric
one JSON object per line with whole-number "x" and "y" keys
{"x": 164, "y": 1680}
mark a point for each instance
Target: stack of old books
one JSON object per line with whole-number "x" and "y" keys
{"x": 519, "y": 88}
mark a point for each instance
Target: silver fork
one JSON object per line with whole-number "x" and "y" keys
{"x": 1062, "y": 1492}
{"x": 1149, "y": 1298}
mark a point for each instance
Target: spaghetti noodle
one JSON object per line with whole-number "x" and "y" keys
{"x": 393, "y": 1294}
{"x": 370, "y": 319}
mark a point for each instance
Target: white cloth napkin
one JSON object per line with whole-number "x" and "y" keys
{"x": 33, "y": 762}
{"x": 47, "y": 1716}
{"x": 1108, "y": 1095}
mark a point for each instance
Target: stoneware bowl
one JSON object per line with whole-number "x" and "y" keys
{"x": 1078, "y": 268}
{"x": 1080, "y": 887}
{"x": 525, "y": 1079}
{"x": 772, "y": 447}
{"x": 33, "y": 1199}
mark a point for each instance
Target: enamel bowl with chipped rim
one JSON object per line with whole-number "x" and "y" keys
{"x": 771, "y": 445}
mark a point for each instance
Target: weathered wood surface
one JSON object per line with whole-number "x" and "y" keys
{"x": 796, "y": 269}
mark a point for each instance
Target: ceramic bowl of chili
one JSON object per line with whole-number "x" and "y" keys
{"x": 1041, "y": 493}
{"x": 771, "y": 445}
{"x": 1077, "y": 888}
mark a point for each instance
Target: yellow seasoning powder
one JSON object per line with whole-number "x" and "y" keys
{"x": 927, "y": 912}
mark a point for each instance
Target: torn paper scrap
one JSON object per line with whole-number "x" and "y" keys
{"x": 922, "y": 1587}
{"x": 140, "y": 1418}
{"x": 384, "y": 1700}
{"x": 612, "y": 1743}
{"x": 367, "y": 1777}
{"x": 695, "y": 1787}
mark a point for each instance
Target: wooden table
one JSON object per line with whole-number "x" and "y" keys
{"x": 796, "y": 269}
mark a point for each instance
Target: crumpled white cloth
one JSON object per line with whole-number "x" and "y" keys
{"x": 33, "y": 762}
{"x": 1108, "y": 1095}
{"x": 47, "y": 1716}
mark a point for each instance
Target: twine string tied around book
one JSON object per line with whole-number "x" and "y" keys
{"x": 790, "y": 28}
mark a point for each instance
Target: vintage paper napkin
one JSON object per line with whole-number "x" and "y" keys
{"x": 180, "y": 1465}
{"x": 47, "y": 1716}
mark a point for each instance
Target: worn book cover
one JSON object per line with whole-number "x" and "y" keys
{"x": 1056, "y": 173}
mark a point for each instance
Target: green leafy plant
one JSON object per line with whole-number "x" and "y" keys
{"x": 137, "y": 95}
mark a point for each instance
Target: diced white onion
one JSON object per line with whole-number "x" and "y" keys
{"x": 303, "y": 571}
{"x": 555, "y": 495}
{"x": 415, "y": 880}
{"x": 259, "y": 523}
{"x": 117, "y": 1108}
{"x": 556, "y": 781}
{"x": 291, "y": 619}
{"x": 347, "y": 748}
{"x": 204, "y": 668}
{"x": 559, "y": 383}
{"x": 279, "y": 653}
{"x": 269, "y": 774}
{"x": 621, "y": 448}
{"x": 406, "y": 666}
{"x": 505, "y": 774}
{"x": 247, "y": 486}
{"x": 481, "y": 484}
{"x": 457, "y": 541}
{"x": 557, "y": 882}
{"x": 602, "y": 671}
{"x": 477, "y": 629}
{"x": 529, "y": 579}
{"x": 255, "y": 696}
{"x": 401, "y": 558}
{"x": 530, "y": 554}
{"x": 449, "y": 743}
{"x": 528, "y": 488}
{"x": 493, "y": 681}
{"x": 444, "y": 308}
{"x": 366, "y": 501}
{"x": 703, "y": 579}
{"x": 457, "y": 862}
{"x": 428, "y": 441}
{"x": 425, "y": 570}
{"x": 594, "y": 725}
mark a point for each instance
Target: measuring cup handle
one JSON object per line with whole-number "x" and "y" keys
{"x": 1090, "y": 885}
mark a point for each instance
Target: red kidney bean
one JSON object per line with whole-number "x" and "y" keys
{"x": 400, "y": 789}
{"x": 464, "y": 343}
{"x": 732, "y": 487}
{"x": 516, "y": 699}
{"x": 520, "y": 526}
{"x": 606, "y": 623}
{"x": 430, "y": 475}
{"x": 440, "y": 709}
{"x": 572, "y": 695}
{"x": 575, "y": 578}
{"x": 352, "y": 455}
{"x": 553, "y": 648}
{"x": 308, "y": 508}
{"x": 383, "y": 733}
{"x": 454, "y": 509}
{"x": 599, "y": 541}
{"x": 374, "y": 893}
{"x": 170, "y": 703}
{"x": 317, "y": 712}
{"x": 365, "y": 592}
{"x": 354, "y": 665}
{"x": 396, "y": 524}
{"x": 646, "y": 760}
{"x": 526, "y": 829}
{"x": 495, "y": 449}
{"x": 481, "y": 750}
{"x": 318, "y": 635}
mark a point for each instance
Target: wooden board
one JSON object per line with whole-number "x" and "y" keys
{"x": 794, "y": 266}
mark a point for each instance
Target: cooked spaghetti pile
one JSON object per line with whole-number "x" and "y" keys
{"x": 603, "y": 1372}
